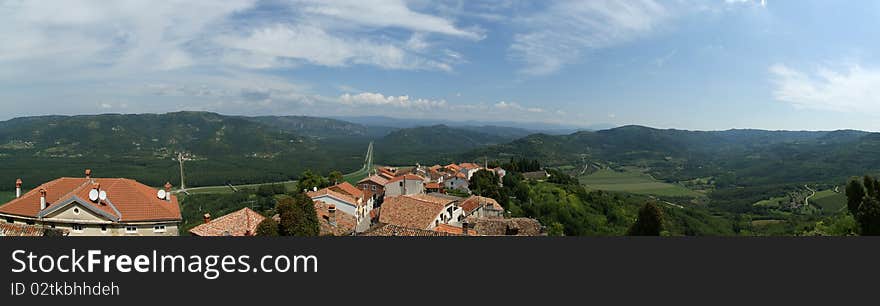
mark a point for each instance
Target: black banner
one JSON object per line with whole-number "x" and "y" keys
{"x": 450, "y": 270}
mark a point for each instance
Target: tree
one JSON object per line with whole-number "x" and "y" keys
{"x": 868, "y": 217}
{"x": 310, "y": 180}
{"x": 649, "y": 223}
{"x": 863, "y": 201}
{"x": 335, "y": 177}
{"x": 855, "y": 192}
{"x": 268, "y": 228}
{"x": 485, "y": 183}
{"x": 298, "y": 216}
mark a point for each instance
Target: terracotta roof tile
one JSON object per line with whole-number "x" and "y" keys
{"x": 410, "y": 211}
{"x": 470, "y": 166}
{"x": 375, "y": 179}
{"x": 389, "y": 230}
{"x": 446, "y": 228}
{"x": 345, "y": 223}
{"x": 24, "y": 230}
{"x": 243, "y": 222}
{"x": 506, "y": 226}
{"x": 335, "y": 194}
{"x": 407, "y": 177}
{"x": 474, "y": 202}
{"x": 349, "y": 189}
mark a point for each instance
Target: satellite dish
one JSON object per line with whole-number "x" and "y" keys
{"x": 102, "y": 195}
{"x": 93, "y": 195}
{"x": 161, "y": 194}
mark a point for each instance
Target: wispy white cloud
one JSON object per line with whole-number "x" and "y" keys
{"x": 314, "y": 45}
{"x": 504, "y": 105}
{"x": 378, "y": 99}
{"x": 566, "y": 30}
{"x": 853, "y": 89}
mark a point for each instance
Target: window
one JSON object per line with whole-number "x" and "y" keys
{"x": 9, "y": 220}
{"x": 158, "y": 228}
{"x": 103, "y": 228}
{"x": 373, "y": 187}
{"x": 401, "y": 184}
{"x": 131, "y": 229}
{"x": 76, "y": 210}
{"x": 77, "y": 228}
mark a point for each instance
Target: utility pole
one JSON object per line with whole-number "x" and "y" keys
{"x": 180, "y": 160}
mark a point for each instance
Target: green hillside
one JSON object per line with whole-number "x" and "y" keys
{"x": 145, "y": 147}
{"x": 430, "y": 144}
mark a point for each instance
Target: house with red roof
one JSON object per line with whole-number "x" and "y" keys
{"x": 419, "y": 211}
{"x": 405, "y": 185}
{"x": 87, "y": 206}
{"x": 349, "y": 200}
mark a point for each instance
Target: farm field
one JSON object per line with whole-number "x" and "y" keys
{"x": 634, "y": 181}
{"x": 775, "y": 202}
{"x": 829, "y": 200}
{"x": 290, "y": 185}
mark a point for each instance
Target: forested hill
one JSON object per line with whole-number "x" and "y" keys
{"x": 321, "y": 127}
{"x": 734, "y": 157}
{"x": 144, "y": 147}
{"x": 433, "y": 144}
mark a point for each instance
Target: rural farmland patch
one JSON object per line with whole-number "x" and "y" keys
{"x": 634, "y": 181}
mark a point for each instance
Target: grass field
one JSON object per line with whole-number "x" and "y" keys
{"x": 766, "y": 222}
{"x": 829, "y": 200}
{"x": 291, "y": 185}
{"x": 774, "y": 202}
{"x": 634, "y": 181}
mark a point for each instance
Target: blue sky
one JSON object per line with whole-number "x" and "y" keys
{"x": 687, "y": 64}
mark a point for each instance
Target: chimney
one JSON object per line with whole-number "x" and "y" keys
{"x": 331, "y": 212}
{"x": 18, "y": 188}
{"x": 168, "y": 191}
{"x": 88, "y": 173}
{"x": 207, "y": 217}
{"x": 42, "y": 199}
{"x": 464, "y": 228}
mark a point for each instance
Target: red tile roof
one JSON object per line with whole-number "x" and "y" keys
{"x": 474, "y": 202}
{"x": 453, "y": 167}
{"x": 470, "y": 166}
{"x": 24, "y": 230}
{"x": 389, "y": 230}
{"x": 375, "y": 179}
{"x": 446, "y": 228}
{"x": 349, "y": 189}
{"x": 432, "y": 185}
{"x": 410, "y": 211}
{"x": 127, "y": 200}
{"x": 344, "y": 197}
{"x": 345, "y": 223}
{"x": 243, "y": 222}
{"x": 408, "y": 177}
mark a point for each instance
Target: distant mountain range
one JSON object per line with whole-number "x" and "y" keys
{"x": 255, "y": 149}
{"x": 532, "y": 127}
{"x": 733, "y": 157}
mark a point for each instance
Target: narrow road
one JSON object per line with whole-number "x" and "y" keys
{"x": 807, "y": 199}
